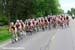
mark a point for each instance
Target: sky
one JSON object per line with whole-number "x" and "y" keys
{"x": 67, "y": 4}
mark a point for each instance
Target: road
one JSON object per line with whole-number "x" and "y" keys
{"x": 64, "y": 39}
{"x": 55, "y": 39}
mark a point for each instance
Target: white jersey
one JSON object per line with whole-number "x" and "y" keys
{"x": 31, "y": 23}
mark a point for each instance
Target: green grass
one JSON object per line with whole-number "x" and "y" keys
{"x": 4, "y": 34}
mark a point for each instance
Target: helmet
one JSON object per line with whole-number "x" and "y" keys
{"x": 17, "y": 20}
{"x": 12, "y": 23}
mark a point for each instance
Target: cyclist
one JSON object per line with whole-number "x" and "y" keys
{"x": 13, "y": 31}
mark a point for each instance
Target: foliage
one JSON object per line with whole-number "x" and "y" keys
{"x": 71, "y": 12}
{"x": 22, "y": 9}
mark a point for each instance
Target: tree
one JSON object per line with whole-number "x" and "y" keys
{"x": 60, "y": 11}
{"x": 54, "y": 4}
{"x": 2, "y": 11}
{"x": 71, "y": 12}
{"x": 22, "y": 9}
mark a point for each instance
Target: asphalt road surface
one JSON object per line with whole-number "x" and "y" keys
{"x": 55, "y": 39}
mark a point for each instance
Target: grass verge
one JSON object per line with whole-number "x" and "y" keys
{"x": 4, "y": 34}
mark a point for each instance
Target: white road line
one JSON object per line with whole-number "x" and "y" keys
{"x": 53, "y": 37}
{"x": 13, "y": 48}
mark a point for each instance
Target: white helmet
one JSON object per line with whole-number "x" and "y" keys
{"x": 12, "y": 23}
{"x": 17, "y": 20}
{"x": 20, "y": 20}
